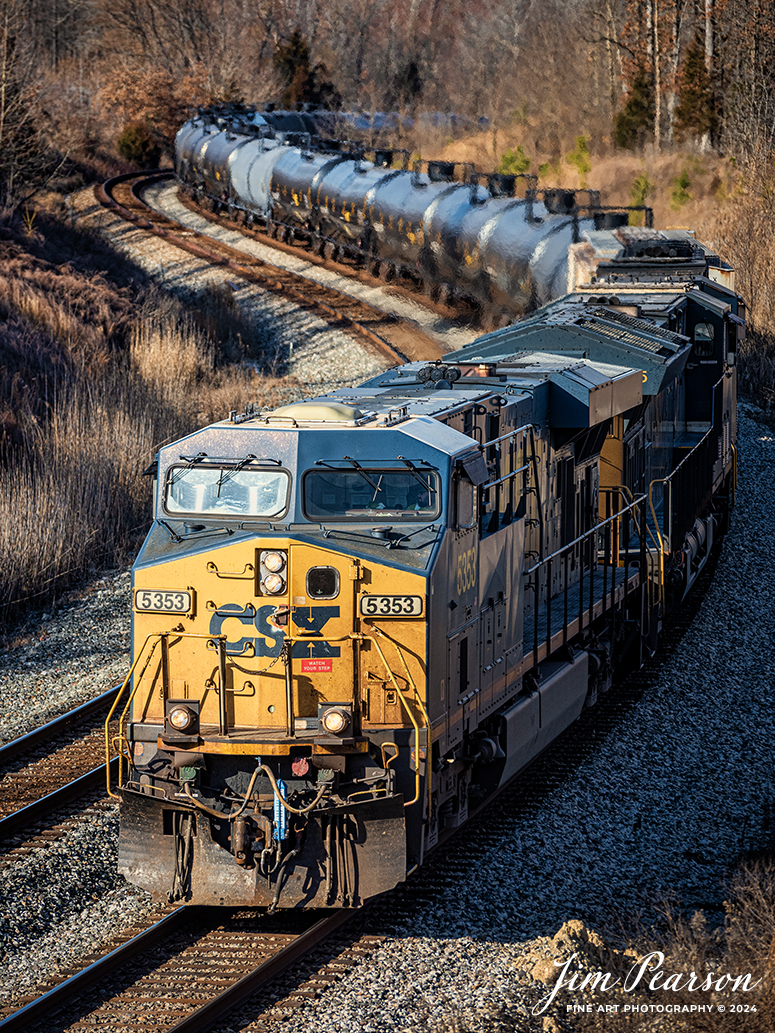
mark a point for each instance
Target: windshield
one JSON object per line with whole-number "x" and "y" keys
{"x": 219, "y": 491}
{"x": 370, "y": 494}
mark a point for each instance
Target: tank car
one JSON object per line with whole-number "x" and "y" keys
{"x": 357, "y": 617}
{"x": 438, "y": 222}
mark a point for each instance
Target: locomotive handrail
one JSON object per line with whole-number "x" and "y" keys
{"x": 496, "y": 441}
{"x": 655, "y": 555}
{"x": 123, "y": 686}
{"x": 592, "y": 530}
{"x": 411, "y": 716}
{"x": 158, "y": 636}
{"x": 665, "y": 541}
{"x": 506, "y": 477}
{"x": 508, "y": 434}
{"x": 713, "y": 429}
{"x": 588, "y": 561}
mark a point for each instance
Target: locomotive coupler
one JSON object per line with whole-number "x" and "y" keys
{"x": 240, "y": 840}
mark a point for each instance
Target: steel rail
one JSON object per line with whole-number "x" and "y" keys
{"x": 36, "y": 1011}
{"x": 211, "y": 1012}
{"x": 10, "y": 750}
{"x": 239, "y": 263}
{"x": 204, "y": 1018}
{"x": 66, "y": 794}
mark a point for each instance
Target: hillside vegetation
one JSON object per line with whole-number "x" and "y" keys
{"x": 98, "y": 371}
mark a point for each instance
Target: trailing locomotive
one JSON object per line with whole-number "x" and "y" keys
{"x": 356, "y": 617}
{"x": 440, "y": 223}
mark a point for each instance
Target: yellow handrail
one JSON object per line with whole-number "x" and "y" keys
{"x": 657, "y": 544}
{"x": 659, "y": 480}
{"x": 414, "y": 723}
{"x": 157, "y": 636}
{"x": 423, "y": 711}
{"x": 109, "y": 718}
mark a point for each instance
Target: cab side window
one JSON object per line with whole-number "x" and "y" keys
{"x": 466, "y": 514}
{"x": 704, "y": 340}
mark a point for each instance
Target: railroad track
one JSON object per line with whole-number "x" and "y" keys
{"x": 47, "y": 771}
{"x": 190, "y": 969}
{"x": 437, "y": 299}
{"x": 391, "y": 337}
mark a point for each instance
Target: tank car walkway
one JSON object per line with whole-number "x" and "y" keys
{"x": 573, "y": 609}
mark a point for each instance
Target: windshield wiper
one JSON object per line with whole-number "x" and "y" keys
{"x": 417, "y": 475}
{"x": 190, "y": 462}
{"x": 363, "y": 473}
{"x": 204, "y": 533}
{"x": 226, "y": 475}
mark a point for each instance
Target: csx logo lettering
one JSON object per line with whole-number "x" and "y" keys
{"x": 269, "y": 641}
{"x": 466, "y": 570}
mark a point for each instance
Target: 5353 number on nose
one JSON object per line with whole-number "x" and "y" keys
{"x": 391, "y": 605}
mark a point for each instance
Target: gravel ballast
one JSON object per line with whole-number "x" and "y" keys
{"x": 163, "y": 197}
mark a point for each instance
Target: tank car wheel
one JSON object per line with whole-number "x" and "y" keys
{"x": 281, "y": 233}
{"x": 387, "y": 272}
{"x": 330, "y": 251}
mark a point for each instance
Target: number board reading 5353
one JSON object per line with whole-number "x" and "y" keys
{"x": 391, "y": 605}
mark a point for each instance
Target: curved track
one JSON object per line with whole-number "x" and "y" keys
{"x": 391, "y": 337}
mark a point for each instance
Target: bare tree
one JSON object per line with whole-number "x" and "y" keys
{"x": 24, "y": 158}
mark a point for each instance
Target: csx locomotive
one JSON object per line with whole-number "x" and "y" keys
{"x": 446, "y": 227}
{"x": 356, "y": 617}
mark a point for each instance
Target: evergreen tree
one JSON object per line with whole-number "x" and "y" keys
{"x": 696, "y": 111}
{"x": 304, "y": 82}
{"x": 407, "y": 85}
{"x": 636, "y": 119}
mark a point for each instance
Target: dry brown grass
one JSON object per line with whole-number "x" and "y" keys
{"x": 74, "y": 496}
{"x": 744, "y": 944}
{"x": 93, "y": 383}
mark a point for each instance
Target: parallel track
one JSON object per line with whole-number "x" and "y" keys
{"x": 386, "y": 334}
{"x": 50, "y": 770}
{"x": 184, "y": 974}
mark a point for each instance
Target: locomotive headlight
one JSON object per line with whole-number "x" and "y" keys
{"x": 335, "y": 721}
{"x": 274, "y": 584}
{"x": 273, "y": 561}
{"x": 181, "y": 718}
